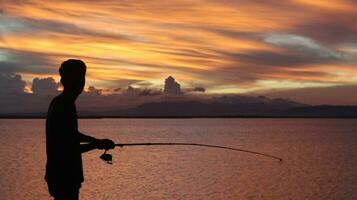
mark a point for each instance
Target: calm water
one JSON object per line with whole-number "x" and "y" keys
{"x": 320, "y": 159}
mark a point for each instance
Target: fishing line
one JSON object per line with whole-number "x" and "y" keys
{"x": 108, "y": 158}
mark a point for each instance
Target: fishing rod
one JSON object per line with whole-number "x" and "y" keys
{"x": 108, "y": 157}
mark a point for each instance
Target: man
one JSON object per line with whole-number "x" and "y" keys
{"x": 64, "y": 171}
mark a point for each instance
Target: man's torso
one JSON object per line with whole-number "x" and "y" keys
{"x": 64, "y": 160}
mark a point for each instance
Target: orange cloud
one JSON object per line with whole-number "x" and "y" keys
{"x": 227, "y": 46}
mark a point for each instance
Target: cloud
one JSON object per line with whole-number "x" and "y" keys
{"x": 11, "y": 84}
{"x": 306, "y": 46}
{"x": 19, "y": 61}
{"x": 131, "y": 90}
{"x": 150, "y": 92}
{"x": 197, "y": 89}
{"x": 117, "y": 89}
{"x": 274, "y": 59}
{"x": 330, "y": 31}
{"x": 15, "y": 101}
{"x": 13, "y": 98}
{"x": 94, "y": 91}
{"x": 138, "y": 92}
{"x": 21, "y": 26}
{"x": 12, "y": 93}
{"x": 11, "y": 25}
{"x": 45, "y": 86}
{"x": 172, "y": 87}
{"x": 195, "y": 40}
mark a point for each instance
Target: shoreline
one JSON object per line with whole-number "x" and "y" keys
{"x": 187, "y": 117}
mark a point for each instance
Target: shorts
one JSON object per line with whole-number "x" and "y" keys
{"x": 64, "y": 191}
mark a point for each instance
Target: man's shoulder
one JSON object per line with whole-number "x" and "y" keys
{"x": 58, "y": 104}
{"x": 57, "y": 101}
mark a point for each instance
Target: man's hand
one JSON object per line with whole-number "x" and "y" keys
{"x": 104, "y": 144}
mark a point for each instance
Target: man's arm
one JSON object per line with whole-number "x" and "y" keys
{"x": 87, "y": 147}
{"x": 86, "y": 138}
{"x": 94, "y": 143}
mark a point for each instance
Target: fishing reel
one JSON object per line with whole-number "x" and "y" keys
{"x": 106, "y": 157}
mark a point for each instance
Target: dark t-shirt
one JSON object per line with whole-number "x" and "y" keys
{"x": 64, "y": 159}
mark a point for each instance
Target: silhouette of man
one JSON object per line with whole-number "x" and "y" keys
{"x": 64, "y": 170}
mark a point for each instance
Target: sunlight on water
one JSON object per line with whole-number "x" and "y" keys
{"x": 319, "y": 159}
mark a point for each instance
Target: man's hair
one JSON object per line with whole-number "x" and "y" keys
{"x": 72, "y": 69}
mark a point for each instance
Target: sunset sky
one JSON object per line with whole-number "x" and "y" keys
{"x": 224, "y": 46}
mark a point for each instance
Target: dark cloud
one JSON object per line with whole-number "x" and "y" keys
{"x": 150, "y": 92}
{"x": 11, "y": 25}
{"x": 330, "y": 28}
{"x": 297, "y": 51}
{"x": 15, "y": 101}
{"x": 328, "y": 32}
{"x": 26, "y": 62}
{"x": 231, "y": 75}
{"x": 131, "y": 91}
{"x": 234, "y": 34}
{"x": 45, "y": 86}
{"x": 265, "y": 65}
{"x": 275, "y": 59}
{"x": 117, "y": 89}
{"x": 94, "y": 101}
{"x": 197, "y": 89}
{"x": 9, "y": 68}
{"x": 11, "y": 84}
{"x": 12, "y": 93}
{"x": 172, "y": 87}
{"x": 94, "y": 91}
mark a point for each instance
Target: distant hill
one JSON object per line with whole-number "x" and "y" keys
{"x": 238, "y": 107}
{"x": 224, "y": 106}
{"x": 218, "y": 107}
{"x": 194, "y": 108}
{"x": 322, "y": 111}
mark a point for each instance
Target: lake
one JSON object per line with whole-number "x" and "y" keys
{"x": 320, "y": 159}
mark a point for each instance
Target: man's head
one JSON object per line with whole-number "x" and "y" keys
{"x": 73, "y": 75}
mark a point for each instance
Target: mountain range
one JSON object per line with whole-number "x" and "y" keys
{"x": 232, "y": 106}
{"x": 223, "y": 106}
